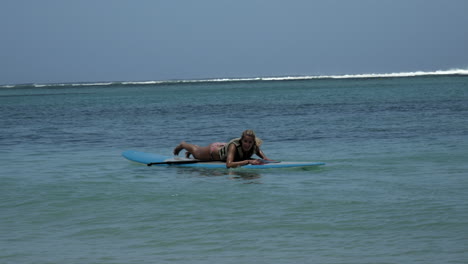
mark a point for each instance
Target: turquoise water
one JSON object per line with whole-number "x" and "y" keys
{"x": 394, "y": 189}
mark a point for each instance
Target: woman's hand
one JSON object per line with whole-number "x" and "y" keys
{"x": 254, "y": 162}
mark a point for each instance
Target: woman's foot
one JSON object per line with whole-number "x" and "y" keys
{"x": 178, "y": 148}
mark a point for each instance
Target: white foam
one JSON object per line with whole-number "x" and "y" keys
{"x": 345, "y": 76}
{"x": 399, "y": 74}
{"x": 273, "y": 78}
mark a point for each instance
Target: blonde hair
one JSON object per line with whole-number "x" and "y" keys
{"x": 251, "y": 133}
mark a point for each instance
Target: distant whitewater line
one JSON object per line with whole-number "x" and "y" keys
{"x": 284, "y": 78}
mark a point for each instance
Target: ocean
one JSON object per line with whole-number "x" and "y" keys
{"x": 394, "y": 188}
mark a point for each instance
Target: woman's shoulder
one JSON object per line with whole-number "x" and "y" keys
{"x": 235, "y": 141}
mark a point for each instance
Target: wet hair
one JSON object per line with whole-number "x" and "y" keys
{"x": 251, "y": 133}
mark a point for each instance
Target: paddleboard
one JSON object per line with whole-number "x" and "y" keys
{"x": 161, "y": 160}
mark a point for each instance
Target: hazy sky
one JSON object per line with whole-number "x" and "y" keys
{"x": 45, "y": 41}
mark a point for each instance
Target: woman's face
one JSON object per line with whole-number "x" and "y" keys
{"x": 247, "y": 143}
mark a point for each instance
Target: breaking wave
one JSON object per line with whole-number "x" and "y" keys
{"x": 455, "y": 72}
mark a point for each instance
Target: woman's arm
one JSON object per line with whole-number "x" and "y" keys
{"x": 262, "y": 155}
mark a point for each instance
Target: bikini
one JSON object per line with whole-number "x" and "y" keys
{"x": 216, "y": 147}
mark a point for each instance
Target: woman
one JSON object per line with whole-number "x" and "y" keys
{"x": 237, "y": 152}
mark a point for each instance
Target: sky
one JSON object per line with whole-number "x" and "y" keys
{"x": 66, "y": 41}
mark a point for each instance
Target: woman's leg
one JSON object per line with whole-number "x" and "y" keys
{"x": 201, "y": 153}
